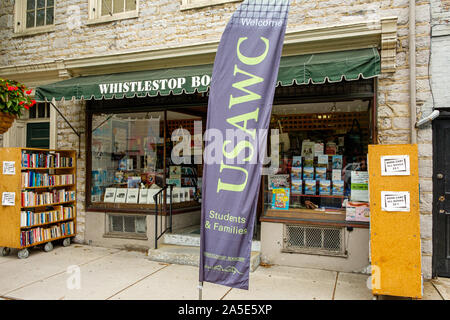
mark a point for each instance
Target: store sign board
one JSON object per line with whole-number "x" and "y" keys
{"x": 395, "y": 201}
{"x": 395, "y": 165}
{"x": 242, "y": 90}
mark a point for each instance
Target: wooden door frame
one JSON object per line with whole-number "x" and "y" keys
{"x": 444, "y": 115}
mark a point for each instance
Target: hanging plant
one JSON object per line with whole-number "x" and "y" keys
{"x": 14, "y": 98}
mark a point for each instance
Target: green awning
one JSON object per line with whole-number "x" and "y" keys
{"x": 303, "y": 69}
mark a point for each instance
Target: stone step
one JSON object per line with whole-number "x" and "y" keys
{"x": 189, "y": 255}
{"x": 193, "y": 240}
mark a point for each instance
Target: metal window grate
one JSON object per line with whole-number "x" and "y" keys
{"x": 127, "y": 224}
{"x": 314, "y": 240}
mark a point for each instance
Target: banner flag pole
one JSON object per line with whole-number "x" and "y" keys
{"x": 200, "y": 290}
{"x": 242, "y": 89}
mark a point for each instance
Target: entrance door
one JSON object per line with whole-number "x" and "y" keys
{"x": 38, "y": 135}
{"x": 441, "y": 197}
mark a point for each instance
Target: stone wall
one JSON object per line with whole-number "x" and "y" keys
{"x": 440, "y": 67}
{"x": 161, "y": 24}
{"x": 74, "y": 112}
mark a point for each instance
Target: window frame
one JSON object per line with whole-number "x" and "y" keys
{"x": 109, "y": 233}
{"x": 195, "y": 4}
{"x": 20, "y": 18}
{"x": 95, "y": 14}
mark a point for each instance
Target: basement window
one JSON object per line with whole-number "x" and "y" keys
{"x": 126, "y": 226}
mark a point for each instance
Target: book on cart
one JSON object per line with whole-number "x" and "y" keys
{"x": 45, "y": 188}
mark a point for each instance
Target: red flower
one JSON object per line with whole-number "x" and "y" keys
{"x": 27, "y": 106}
{"x": 33, "y": 102}
{"x": 21, "y": 103}
{"x": 28, "y": 92}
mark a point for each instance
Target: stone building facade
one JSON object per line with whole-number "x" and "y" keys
{"x": 165, "y": 31}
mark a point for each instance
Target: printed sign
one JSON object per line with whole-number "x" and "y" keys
{"x": 395, "y": 201}
{"x": 359, "y": 186}
{"x": 395, "y": 165}
{"x": 8, "y": 199}
{"x": 9, "y": 167}
{"x": 242, "y": 90}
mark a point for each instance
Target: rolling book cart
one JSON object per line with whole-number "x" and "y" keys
{"x": 38, "y": 191}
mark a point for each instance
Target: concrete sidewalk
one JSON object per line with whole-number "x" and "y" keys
{"x": 87, "y": 272}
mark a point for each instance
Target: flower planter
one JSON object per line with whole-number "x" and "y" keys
{"x": 6, "y": 121}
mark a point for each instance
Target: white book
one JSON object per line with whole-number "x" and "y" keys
{"x": 187, "y": 196}
{"x": 121, "y": 195}
{"x": 132, "y": 195}
{"x": 110, "y": 194}
{"x": 336, "y": 174}
{"x": 150, "y": 194}
{"x": 175, "y": 195}
{"x": 181, "y": 194}
{"x": 143, "y": 196}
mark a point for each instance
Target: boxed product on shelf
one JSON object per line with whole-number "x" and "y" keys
{"x": 338, "y": 187}
{"x": 280, "y": 199}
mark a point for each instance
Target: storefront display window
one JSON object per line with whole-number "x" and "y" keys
{"x": 322, "y": 163}
{"x": 131, "y": 160}
{"x": 127, "y": 155}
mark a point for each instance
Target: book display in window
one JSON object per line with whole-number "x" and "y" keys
{"x": 43, "y": 209}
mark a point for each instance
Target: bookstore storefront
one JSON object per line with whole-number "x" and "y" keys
{"x": 313, "y": 204}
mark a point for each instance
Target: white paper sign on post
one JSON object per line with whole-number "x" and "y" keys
{"x": 9, "y": 167}
{"x": 395, "y": 201}
{"x": 8, "y": 199}
{"x": 395, "y": 165}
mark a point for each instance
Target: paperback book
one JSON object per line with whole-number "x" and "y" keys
{"x": 297, "y": 162}
{"x": 308, "y": 173}
{"x": 121, "y": 195}
{"x": 296, "y": 186}
{"x": 336, "y": 174}
{"x": 337, "y": 162}
{"x": 307, "y": 148}
{"x": 321, "y": 173}
{"x": 278, "y": 181}
{"x": 324, "y": 187}
{"x": 132, "y": 195}
{"x": 309, "y": 161}
{"x": 143, "y": 196}
{"x": 296, "y": 173}
{"x": 280, "y": 199}
{"x": 110, "y": 194}
{"x": 310, "y": 187}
